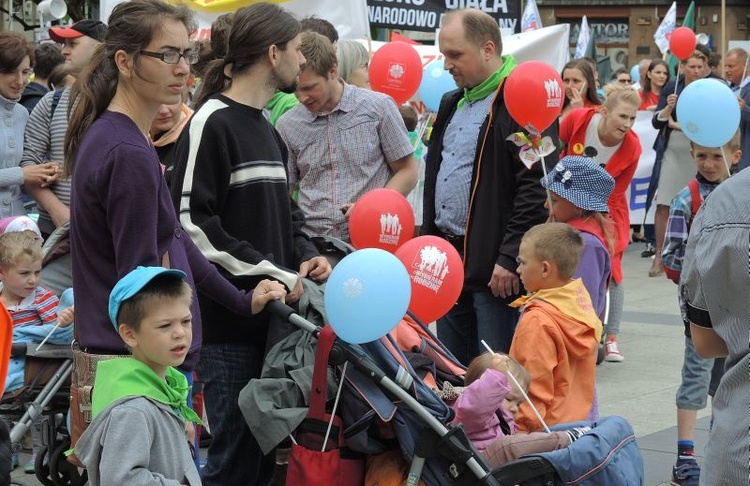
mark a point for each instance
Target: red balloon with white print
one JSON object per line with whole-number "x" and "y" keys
{"x": 437, "y": 276}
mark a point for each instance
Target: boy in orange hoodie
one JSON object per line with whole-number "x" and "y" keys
{"x": 558, "y": 333}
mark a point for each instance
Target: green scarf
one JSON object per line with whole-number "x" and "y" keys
{"x": 490, "y": 84}
{"x": 127, "y": 377}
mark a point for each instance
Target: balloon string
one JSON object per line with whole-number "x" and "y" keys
{"x": 518, "y": 385}
{"x": 549, "y": 196}
{"x": 726, "y": 162}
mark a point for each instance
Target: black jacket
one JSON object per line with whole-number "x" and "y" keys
{"x": 32, "y": 94}
{"x": 506, "y": 198}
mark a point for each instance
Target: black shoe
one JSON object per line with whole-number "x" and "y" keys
{"x": 648, "y": 252}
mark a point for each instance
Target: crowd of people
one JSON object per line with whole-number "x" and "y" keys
{"x": 181, "y": 185}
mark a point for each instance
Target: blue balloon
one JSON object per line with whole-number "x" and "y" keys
{"x": 436, "y": 81}
{"x": 367, "y": 294}
{"x": 635, "y": 73}
{"x": 708, "y": 112}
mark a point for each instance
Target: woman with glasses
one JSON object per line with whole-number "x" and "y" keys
{"x": 121, "y": 212}
{"x": 16, "y": 62}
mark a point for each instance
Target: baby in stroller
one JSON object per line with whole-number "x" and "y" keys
{"x": 488, "y": 406}
{"x": 35, "y": 311}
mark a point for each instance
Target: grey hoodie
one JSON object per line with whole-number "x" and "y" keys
{"x": 137, "y": 440}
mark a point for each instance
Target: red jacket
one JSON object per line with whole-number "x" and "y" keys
{"x": 621, "y": 167}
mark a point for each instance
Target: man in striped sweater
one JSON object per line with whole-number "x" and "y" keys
{"x": 229, "y": 186}
{"x": 44, "y": 138}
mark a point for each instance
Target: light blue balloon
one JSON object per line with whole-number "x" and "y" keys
{"x": 436, "y": 81}
{"x": 708, "y": 112}
{"x": 367, "y": 294}
{"x": 635, "y": 73}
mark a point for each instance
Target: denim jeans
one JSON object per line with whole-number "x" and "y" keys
{"x": 696, "y": 376}
{"x": 234, "y": 457}
{"x": 478, "y": 315}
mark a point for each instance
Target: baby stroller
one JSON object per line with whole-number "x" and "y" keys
{"x": 384, "y": 386}
{"x": 45, "y": 396}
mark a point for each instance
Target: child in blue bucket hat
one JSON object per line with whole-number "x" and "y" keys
{"x": 578, "y": 191}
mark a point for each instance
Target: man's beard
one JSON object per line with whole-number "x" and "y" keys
{"x": 289, "y": 88}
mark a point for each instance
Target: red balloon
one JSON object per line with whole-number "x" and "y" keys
{"x": 396, "y": 70}
{"x": 534, "y": 95}
{"x": 382, "y": 218}
{"x": 682, "y": 43}
{"x": 437, "y": 276}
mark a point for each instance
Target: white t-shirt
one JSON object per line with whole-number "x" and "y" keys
{"x": 594, "y": 147}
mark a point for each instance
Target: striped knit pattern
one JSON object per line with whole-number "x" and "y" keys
{"x": 38, "y": 308}
{"x": 44, "y": 141}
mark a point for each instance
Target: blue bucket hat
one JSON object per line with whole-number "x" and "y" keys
{"x": 132, "y": 283}
{"x": 581, "y": 181}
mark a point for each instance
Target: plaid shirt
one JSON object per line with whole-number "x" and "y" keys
{"x": 339, "y": 156}
{"x": 676, "y": 235}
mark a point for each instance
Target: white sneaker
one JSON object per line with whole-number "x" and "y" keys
{"x": 612, "y": 352}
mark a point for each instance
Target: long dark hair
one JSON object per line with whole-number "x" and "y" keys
{"x": 588, "y": 73}
{"x": 255, "y": 29}
{"x": 132, "y": 26}
{"x": 646, "y": 81}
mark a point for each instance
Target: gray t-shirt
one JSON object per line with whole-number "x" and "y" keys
{"x": 715, "y": 284}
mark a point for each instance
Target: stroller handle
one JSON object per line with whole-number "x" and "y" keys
{"x": 343, "y": 351}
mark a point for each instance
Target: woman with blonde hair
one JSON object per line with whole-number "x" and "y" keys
{"x": 605, "y": 135}
{"x": 354, "y": 62}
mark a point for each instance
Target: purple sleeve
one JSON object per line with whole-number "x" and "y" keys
{"x": 476, "y": 406}
{"x": 594, "y": 270}
{"x": 213, "y": 285}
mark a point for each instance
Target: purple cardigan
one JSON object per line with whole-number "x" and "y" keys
{"x": 476, "y": 409}
{"x": 594, "y": 269}
{"x": 121, "y": 217}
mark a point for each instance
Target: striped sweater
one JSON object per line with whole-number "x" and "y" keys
{"x": 35, "y": 310}
{"x": 44, "y": 141}
{"x": 229, "y": 187}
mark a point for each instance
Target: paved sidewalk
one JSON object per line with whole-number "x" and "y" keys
{"x": 642, "y": 388}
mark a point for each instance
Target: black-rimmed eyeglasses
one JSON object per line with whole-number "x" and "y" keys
{"x": 173, "y": 57}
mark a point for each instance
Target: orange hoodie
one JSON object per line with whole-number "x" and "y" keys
{"x": 556, "y": 341}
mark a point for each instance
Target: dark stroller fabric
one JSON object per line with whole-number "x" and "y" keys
{"x": 5, "y": 454}
{"x": 375, "y": 424}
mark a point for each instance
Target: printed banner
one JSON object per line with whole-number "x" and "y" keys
{"x": 349, "y": 16}
{"x": 639, "y": 186}
{"x": 548, "y": 44}
{"x": 426, "y": 15}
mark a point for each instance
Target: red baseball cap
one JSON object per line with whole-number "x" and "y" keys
{"x": 91, "y": 28}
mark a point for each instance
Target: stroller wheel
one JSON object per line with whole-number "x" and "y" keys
{"x": 41, "y": 467}
{"x": 64, "y": 473}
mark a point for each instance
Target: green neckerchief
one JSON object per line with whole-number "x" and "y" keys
{"x": 490, "y": 84}
{"x": 127, "y": 377}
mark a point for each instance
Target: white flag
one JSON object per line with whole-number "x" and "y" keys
{"x": 531, "y": 19}
{"x": 584, "y": 36}
{"x": 661, "y": 37}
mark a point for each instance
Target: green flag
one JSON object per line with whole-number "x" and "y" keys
{"x": 689, "y": 22}
{"x": 591, "y": 47}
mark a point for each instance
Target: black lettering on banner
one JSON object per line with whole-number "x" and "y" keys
{"x": 426, "y": 15}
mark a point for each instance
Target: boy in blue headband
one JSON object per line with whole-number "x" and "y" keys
{"x": 139, "y": 407}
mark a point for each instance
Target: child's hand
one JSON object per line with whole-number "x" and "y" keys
{"x": 499, "y": 362}
{"x": 266, "y": 291}
{"x": 65, "y": 318}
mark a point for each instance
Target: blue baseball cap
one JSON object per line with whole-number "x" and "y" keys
{"x": 581, "y": 181}
{"x": 132, "y": 283}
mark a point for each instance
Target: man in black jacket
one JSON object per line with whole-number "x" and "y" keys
{"x": 478, "y": 194}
